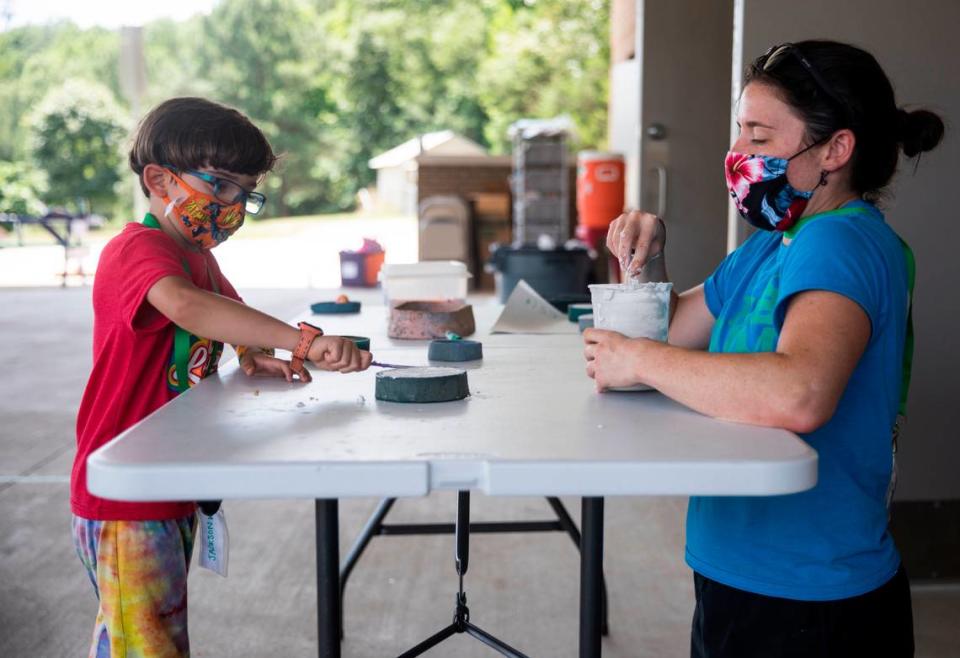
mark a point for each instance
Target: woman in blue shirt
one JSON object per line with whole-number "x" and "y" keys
{"x": 803, "y": 327}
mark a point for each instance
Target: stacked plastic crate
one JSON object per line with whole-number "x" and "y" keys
{"x": 541, "y": 183}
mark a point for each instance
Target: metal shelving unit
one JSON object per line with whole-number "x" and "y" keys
{"x": 540, "y": 181}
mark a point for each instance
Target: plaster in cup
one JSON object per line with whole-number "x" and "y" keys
{"x": 634, "y": 310}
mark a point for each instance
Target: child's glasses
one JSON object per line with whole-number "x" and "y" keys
{"x": 229, "y": 192}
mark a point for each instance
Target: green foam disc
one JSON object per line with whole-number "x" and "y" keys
{"x": 325, "y": 308}
{"x": 361, "y": 341}
{"x": 455, "y": 350}
{"x": 421, "y": 385}
{"x": 574, "y": 311}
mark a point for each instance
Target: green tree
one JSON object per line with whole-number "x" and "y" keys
{"x": 410, "y": 69}
{"x": 265, "y": 58}
{"x": 547, "y": 58}
{"x": 372, "y": 115}
{"x": 35, "y": 60}
{"x": 331, "y": 82}
{"x": 22, "y": 188}
{"x": 77, "y": 136}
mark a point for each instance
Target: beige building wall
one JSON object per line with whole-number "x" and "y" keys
{"x": 915, "y": 43}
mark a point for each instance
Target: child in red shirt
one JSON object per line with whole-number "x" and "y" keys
{"x": 162, "y": 310}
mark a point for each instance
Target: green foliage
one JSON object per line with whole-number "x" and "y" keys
{"x": 547, "y": 59}
{"x": 261, "y": 56}
{"x": 21, "y": 189}
{"x": 331, "y": 83}
{"x": 35, "y": 60}
{"x": 76, "y": 138}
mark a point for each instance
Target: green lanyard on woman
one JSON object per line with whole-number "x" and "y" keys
{"x": 182, "y": 339}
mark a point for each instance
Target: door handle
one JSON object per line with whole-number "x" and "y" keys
{"x": 661, "y": 172}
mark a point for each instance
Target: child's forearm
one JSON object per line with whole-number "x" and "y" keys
{"x": 229, "y": 321}
{"x": 219, "y": 318}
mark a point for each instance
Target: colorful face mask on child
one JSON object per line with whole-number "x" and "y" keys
{"x": 203, "y": 219}
{"x": 759, "y": 187}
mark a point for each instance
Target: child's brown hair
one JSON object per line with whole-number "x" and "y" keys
{"x": 191, "y": 133}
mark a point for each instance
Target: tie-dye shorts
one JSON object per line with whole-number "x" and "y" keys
{"x": 139, "y": 573}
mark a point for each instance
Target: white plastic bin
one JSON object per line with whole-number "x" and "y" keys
{"x": 425, "y": 281}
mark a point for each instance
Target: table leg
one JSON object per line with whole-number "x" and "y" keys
{"x": 591, "y": 577}
{"x": 328, "y": 578}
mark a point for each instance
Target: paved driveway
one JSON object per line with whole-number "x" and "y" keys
{"x": 304, "y": 256}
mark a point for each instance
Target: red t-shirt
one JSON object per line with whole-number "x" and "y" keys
{"x": 133, "y": 356}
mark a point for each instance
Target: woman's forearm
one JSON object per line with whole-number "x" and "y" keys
{"x": 767, "y": 388}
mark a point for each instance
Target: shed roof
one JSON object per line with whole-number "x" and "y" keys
{"x": 443, "y": 142}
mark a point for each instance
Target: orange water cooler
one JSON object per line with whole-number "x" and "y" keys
{"x": 600, "y": 198}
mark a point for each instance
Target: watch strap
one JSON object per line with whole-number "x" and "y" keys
{"x": 308, "y": 333}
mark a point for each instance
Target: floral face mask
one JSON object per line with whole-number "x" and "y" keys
{"x": 203, "y": 219}
{"x": 759, "y": 187}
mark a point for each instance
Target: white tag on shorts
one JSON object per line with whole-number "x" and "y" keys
{"x": 214, "y": 541}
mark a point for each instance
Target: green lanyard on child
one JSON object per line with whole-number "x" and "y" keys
{"x": 907, "y": 364}
{"x": 182, "y": 339}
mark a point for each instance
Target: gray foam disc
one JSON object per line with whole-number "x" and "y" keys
{"x": 421, "y": 385}
{"x": 585, "y": 322}
{"x": 455, "y": 350}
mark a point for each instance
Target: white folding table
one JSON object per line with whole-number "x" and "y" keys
{"x": 533, "y": 426}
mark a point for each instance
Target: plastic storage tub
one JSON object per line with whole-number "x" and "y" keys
{"x": 552, "y": 273}
{"x": 424, "y": 281}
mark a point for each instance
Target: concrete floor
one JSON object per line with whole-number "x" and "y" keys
{"x": 522, "y": 588}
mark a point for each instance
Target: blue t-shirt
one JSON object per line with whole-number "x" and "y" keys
{"x": 830, "y": 542}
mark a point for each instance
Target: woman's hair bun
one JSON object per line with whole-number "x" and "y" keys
{"x": 919, "y": 131}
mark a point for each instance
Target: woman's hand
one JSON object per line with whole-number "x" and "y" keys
{"x": 613, "y": 360}
{"x": 338, "y": 354}
{"x": 256, "y": 363}
{"x": 635, "y": 238}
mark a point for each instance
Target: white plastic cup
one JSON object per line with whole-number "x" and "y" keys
{"x": 634, "y": 310}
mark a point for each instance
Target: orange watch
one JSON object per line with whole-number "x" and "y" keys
{"x": 308, "y": 333}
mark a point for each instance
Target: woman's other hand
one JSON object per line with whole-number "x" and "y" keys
{"x": 635, "y": 238}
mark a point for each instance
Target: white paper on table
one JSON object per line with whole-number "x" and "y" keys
{"x": 526, "y": 312}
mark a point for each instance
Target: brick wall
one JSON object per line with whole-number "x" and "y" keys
{"x": 465, "y": 176}
{"x": 460, "y": 176}
{"x": 469, "y": 176}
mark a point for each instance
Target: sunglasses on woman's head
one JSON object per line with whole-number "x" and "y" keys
{"x": 777, "y": 54}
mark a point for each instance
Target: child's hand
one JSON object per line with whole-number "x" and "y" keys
{"x": 338, "y": 354}
{"x": 255, "y": 362}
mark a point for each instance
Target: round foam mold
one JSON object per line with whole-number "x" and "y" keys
{"x": 585, "y": 322}
{"x": 442, "y": 349}
{"x": 574, "y": 311}
{"x": 361, "y": 341}
{"x": 326, "y": 308}
{"x": 421, "y": 385}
